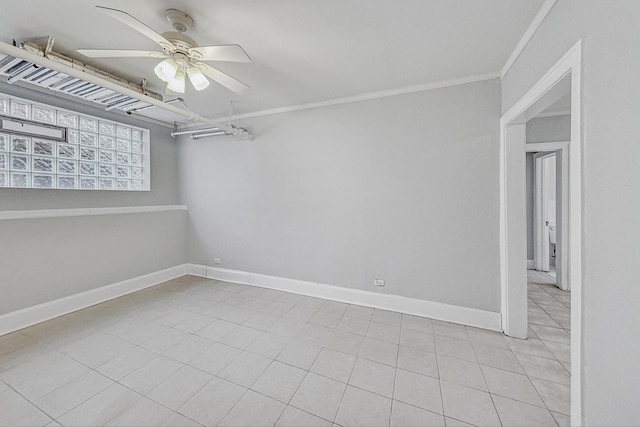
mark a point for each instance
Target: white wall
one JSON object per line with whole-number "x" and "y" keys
{"x": 403, "y": 188}
{"x": 611, "y": 202}
{"x": 47, "y": 259}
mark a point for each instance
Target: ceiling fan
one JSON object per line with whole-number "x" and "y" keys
{"x": 181, "y": 54}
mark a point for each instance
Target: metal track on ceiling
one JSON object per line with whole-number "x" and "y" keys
{"x": 19, "y": 70}
{"x": 31, "y": 64}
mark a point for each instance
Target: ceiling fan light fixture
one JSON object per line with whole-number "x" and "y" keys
{"x": 167, "y": 70}
{"x": 178, "y": 82}
{"x": 198, "y": 80}
{"x": 180, "y": 53}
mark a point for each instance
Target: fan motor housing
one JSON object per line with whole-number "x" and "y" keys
{"x": 180, "y": 21}
{"x": 180, "y": 40}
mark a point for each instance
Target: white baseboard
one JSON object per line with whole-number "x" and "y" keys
{"x": 39, "y": 313}
{"x": 531, "y": 264}
{"x": 197, "y": 270}
{"x": 435, "y": 310}
{"x": 29, "y": 316}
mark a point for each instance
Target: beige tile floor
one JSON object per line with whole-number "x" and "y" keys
{"x": 195, "y": 352}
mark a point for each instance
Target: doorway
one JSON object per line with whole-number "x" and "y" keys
{"x": 561, "y": 79}
{"x": 548, "y": 231}
{"x": 545, "y": 215}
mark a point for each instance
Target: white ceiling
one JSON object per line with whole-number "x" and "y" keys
{"x": 302, "y": 51}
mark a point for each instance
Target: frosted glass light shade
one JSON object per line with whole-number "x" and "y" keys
{"x": 198, "y": 80}
{"x": 166, "y": 70}
{"x": 178, "y": 82}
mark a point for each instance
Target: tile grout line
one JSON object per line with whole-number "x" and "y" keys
{"x": 11, "y": 388}
{"x": 547, "y": 347}
{"x": 495, "y": 408}
{"x": 395, "y": 372}
{"x": 347, "y": 385}
{"x": 444, "y": 416}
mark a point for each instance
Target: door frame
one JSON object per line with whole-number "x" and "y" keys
{"x": 512, "y": 238}
{"x": 561, "y": 149}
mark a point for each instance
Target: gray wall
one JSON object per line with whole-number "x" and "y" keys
{"x": 530, "y": 181}
{"x": 542, "y": 129}
{"x": 549, "y": 129}
{"x": 46, "y": 259}
{"x": 611, "y": 202}
{"x": 403, "y": 188}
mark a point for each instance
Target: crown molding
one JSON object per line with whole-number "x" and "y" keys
{"x": 528, "y": 35}
{"x": 367, "y": 96}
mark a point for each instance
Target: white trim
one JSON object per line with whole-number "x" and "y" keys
{"x": 197, "y": 270}
{"x": 569, "y": 64}
{"x": 29, "y": 316}
{"x": 531, "y": 265}
{"x": 535, "y": 147}
{"x": 553, "y": 114}
{"x": 511, "y": 325}
{"x": 435, "y": 310}
{"x": 365, "y": 96}
{"x": 528, "y": 34}
{"x": 57, "y": 213}
{"x": 575, "y": 235}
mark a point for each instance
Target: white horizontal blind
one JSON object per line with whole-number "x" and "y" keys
{"x": 97, "y": 155}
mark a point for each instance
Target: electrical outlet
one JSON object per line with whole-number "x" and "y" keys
{"x": 378, "y": 282}
{"x": 217, "y": 261}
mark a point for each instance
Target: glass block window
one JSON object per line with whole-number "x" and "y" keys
{"x": 97, "y": 155}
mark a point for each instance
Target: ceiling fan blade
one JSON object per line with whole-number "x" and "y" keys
{"x": 120, "y": 53}
{"x": 224, "y": 79}
{"x": 227, "y": 52}
{"x": 132, "y": 22}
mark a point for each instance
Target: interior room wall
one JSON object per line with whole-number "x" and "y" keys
{"x": 549, "y": 129}
{"x": 530, "y": 181}
{"x": 46, "y": 259}
{"x": 403, "y": 188}
{"x": 611, "y": 202}
{"x": 50, "y": 258}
